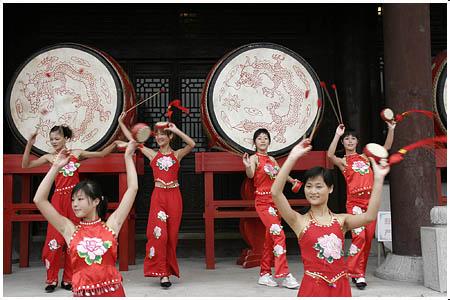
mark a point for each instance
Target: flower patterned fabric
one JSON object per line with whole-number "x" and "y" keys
{"x": 165, "y": 167}
{"x": 265, "y": 173}
{"x": 357, "y": 174}
{"x": 93, "y": 252}
{"x": 323, "y": 257}
{"x": 69, "y": 169}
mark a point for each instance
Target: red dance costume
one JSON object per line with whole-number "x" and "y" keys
{"x": 164, "y": 219}
{"x": 323, "y": 259}
{"x": 93, "y": 253}
{"x": 61, "y": 200}
{"x": 359, "y": 177}
{"x": 275, "y": 241}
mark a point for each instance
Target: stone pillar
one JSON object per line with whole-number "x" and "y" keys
{"x": 434, "y": 250}
{"x": 406, "y": 29}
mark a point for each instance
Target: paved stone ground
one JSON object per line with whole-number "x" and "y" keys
{"x": 227, "y": 280}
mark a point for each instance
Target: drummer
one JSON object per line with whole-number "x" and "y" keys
{"x": 359, "y": 179}
{"x": 66, "y": 179}
{"x": 166, "y": 203}
{"x": 264, "y": 169}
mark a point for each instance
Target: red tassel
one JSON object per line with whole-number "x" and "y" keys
{"x": 333, "y": 86}
{"x": 436, "y": 142}
{"x": 176, "y": 103}
{"x": 395, "y": 158}
{"x": 402, "y": 116}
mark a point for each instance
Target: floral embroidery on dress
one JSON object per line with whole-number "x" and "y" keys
{"x": 92, "y": 249}
{"x": 358, "y": 230}
{"x": 353, "y": 250}
{"x": 53, "y": 245}
{"x": 151, "y": 253}
{"x": 69, "y": 169}
{"x": 275, "y": 229}
{"x": 162, "y": 216}
{"x": 278, "y": 250}
{"x": 157, "y": 232}
{"x": 47, "y": 264}
{"x": 356, "y": 210}
{"x": 361, "y": 167}
{"x": 272, "y": 211}
{"x": 271, "y": 170}
{"x": 329, "y": 247}
{"x": 165, "y": 162}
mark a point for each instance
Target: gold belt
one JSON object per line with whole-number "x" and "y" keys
{"x": 331, "y": 282}
{"x": 166, "y": 185}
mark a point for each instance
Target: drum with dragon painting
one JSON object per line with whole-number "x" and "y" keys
{"x": 260, "y": 85}
{"x": 439, "y": 73}
{"x": 69, "y": 84}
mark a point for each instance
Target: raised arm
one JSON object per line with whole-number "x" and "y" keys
{"x": 61, "y": 223}
{"x": 190, "y": 143}
{"x": 249, "y": 164}
{"x": 390, "y": 135}
{"x": 124, "y": 128}
{"x": 332, "y": 148}
{"x": 379, "y": 172}
{"x": 83, "y": 154}
{"x": 289, "y": 215}
{"x": 115, "y": 221}
{"x": 26, "y": 163}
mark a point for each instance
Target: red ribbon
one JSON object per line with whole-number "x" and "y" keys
{"x": 436, "y": 142}
{"x": 400, "y": 117}
{"x": 175, "y": 103}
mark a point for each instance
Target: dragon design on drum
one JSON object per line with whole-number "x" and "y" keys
{"x": 277, "y": 84}
{"x": 57, "y": 83}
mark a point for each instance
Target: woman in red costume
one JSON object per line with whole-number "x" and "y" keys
{"x": 166, "y": 203}
{"x": 321, "y": 233}
{"x": 66, "y": 179}
{"x": 93, "y": 242}
{"x": 264, "y": 169}
{"x": 359, "y": 178}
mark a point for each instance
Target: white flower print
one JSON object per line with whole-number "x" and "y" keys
{"x": 357, "y": 210}
{"x": 361, "y": 167}
{"x": 157, "y": 232}
{"x": 69, "y": 169}
{"x": 278, "y": 250}
{"x": 353, "y": 250}
{"x": 275, "y": 229}
{"x": 151, "y": 253}
{"x": 47, "y": 264}
{"x": 270, "y": 170}
{"x": 272, "y": 211}
{"x": 165, "y": 162}
{"x": 358, "y": 230}
{"x": 53, "y": 245}
{"x": 329, "y": 247}
{"x": 92, "y": 249}
{"x": 162, "y": 216}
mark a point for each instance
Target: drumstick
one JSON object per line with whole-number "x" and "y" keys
{"x": 146, "y": 99}
{"x": 324, "y": 87}
{"x": 337, "y": 102}
{"x": 319, "y": 105}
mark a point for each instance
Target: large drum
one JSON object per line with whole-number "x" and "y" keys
{"x": 73, "y": 85}
{"x": 260, "y": 85}
{"x": 439, "y": 72}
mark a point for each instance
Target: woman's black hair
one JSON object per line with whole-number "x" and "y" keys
{"x": 319, "y": 172}
{"x": 65, "y": 131}
{"x": 93, "y": 191}
{"x": 258, "y": 132}
{"x": 349, "y": 132}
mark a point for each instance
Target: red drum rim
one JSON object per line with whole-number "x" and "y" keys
{"x": 111, "y": 65}
{"x": 439, "y": 73}
{"x": 211, "y": 124}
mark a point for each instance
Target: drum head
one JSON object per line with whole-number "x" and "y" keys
{"x": 66, "y": 84}
{"x": 260, "y": 85}
{"x": 440, "y": 88}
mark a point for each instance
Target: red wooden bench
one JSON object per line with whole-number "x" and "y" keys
{"x": 26, "y": 211}
{"x": 210, "y": 163}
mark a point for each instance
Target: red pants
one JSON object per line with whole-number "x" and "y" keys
{"x": 275, "y": 242}
{"x": 55, "y": 245}
{"x": 361, "y": 239}
{"x": 162, "y": 233}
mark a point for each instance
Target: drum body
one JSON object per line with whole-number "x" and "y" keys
{"x": 73, "y": 85}
{"x": 439, "y": 73}
{"x": 260, "y": 85}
